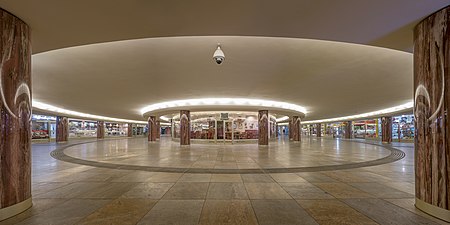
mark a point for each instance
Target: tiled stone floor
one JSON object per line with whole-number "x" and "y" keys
{"x": 67, "y": 193}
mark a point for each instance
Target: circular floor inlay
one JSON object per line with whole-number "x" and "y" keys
{"x": 310, "y": 155}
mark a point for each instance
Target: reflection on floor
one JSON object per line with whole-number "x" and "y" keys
{"x": 66, "y": 193}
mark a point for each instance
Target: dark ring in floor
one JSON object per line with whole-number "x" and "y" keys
{"x": 395, "y": 155}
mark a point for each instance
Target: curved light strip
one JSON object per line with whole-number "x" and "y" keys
{"x": 223, "y": 102}
{"x": 408, "y": 105}
{"x": 50, "y": 108}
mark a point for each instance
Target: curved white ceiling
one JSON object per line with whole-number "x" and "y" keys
{"x": 116, "y": 79}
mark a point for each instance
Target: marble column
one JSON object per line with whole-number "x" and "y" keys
{"x": 296, "y": 127}
{"x": 348, "y": 130}
{"x": 62, "y": 128}
{"x": 386, "y": 129}
{"x": 431, "y": 108}
{"x": 290, "y": 129}
{"x": 152, "y": 127}
{"x": 319, "y": 130}
{"x": 15, "y": 116}
{"x": 263, "y": 127}
{"x": 100, "y": 129}
{"x": 130, "y": 130}
{"x": 185, "y": 127}
{"x": 158, "y": 130}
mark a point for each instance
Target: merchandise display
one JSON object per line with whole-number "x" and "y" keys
{"x": 81, "y": 128}
{"x": 116, "y": 129}
{"x": 232, "y": 126}
{"x": 403, "y": 127}
{"x": 365, "y": 128}
{"x": 43, "y": 127}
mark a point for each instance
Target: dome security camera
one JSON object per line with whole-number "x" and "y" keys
{"x": 219, "y": 56}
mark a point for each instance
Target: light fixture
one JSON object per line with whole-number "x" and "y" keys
{"x": 219, "y": 56}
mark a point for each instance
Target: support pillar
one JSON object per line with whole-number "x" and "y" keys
{"x": 130, "y": 130}
{"x": 185, "y": 127}
{"x": 296, "y": 126}
{"x": 386, "y": 129}
{"x": 348, "y": 130}
{"x": 15, "y": 116}
{"x": 100, "y": 129}
{"x": 431, "y": 108}
{"x": 62, "y": 129}
{"x": 158, "y": 130}
{"x": 152, "y": 128}
{"x": 263, "y": 127}
{"x": 319, "y": 130}
{"x": 290, "y": 129}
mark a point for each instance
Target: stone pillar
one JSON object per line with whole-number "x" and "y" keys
{"x": 431, "y": 108}
{"x": 100, "y": 129}
{"x": 386, "y": 129}
{"x": 158, "y": 130}
{"x": 15, "y": 116}
{"x": 290, "y": 129}
{"x": 319, "y": 130}
{"x": 130, "y": 130}
{"x": 263, "y": 127}
{"x": 152, "y": 128}
{"x": 348, "y": 130}
{"x": 185, "y": 127}
{"x": 296, "y": 126}
{"x": 62, "y": 129}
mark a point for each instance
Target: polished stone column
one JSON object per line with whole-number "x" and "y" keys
{"x": 15, "y": 116}
{"x": 348, "y": 130}
{"x": 185, "y": 127}
{"x": 158, "y": 130}
{"x": 431, "y": 109}
{"x": 290, "y": 129}
{"x": 319, "y": 130}
{"x": 386, "y": 129}
{"x": 130, "y": 130}
{"x": 152, "y": 127}
{"x": 263, "y": 127}
{"x": 100, "y": 129}
{"x": 62, "y": 128}
{"x": 296, "y": 128}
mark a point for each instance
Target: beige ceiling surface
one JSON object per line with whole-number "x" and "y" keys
{"x": 117, "y": 79}
{"x": 61, "y": 23}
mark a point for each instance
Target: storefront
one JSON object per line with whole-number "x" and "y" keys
{"x": 366, "y": 129}
{"x": 403, "y": 128}
{"x": 82, "y": 128}
{"x": 140, "y": 130}
{"x": 225, "y": 127}
{"x": 43, "y": 127}
{"x": 116, "y": 129}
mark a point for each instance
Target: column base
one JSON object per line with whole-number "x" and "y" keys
{"x": 13, "y": 210}
{"x": 433, "y": 210}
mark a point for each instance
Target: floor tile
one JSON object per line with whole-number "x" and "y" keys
{"x": 284, "y": 212}
{"x": 266, "y": 191}
{"x": 121, "y": 212}
{"x": 227, "y": 191}
{"x": 148, "y": 190}
{"x": 180, "y": 212}
{"x": 334, "y": 212}
{"x": 230, "y": 212}
{"x": 187, "y": 190}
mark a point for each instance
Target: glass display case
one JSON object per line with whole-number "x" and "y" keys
{"x": 82, "y": 128}
{"x": 116, "y": 129}
{"x": 43, "y": 127}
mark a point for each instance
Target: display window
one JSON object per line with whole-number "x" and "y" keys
{"x": 116, "y": 129}
{"x": 43, "y": 127}
{"x": 82, "y": 128}
{"x": 365, "y": 128}
{"x": 403, "y": 127}
{"x": 140, "y": 130}
{"x": 223, "y": 126}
